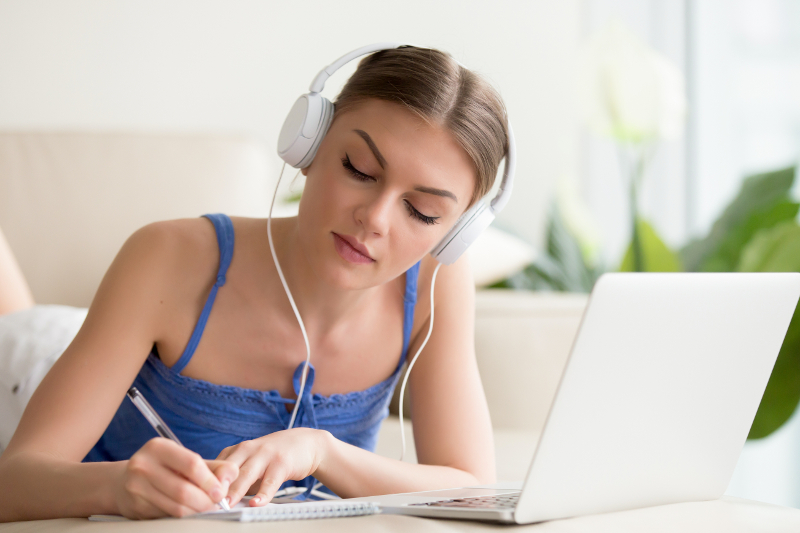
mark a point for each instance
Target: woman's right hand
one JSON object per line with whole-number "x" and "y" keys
{"x": 166, "y": 479}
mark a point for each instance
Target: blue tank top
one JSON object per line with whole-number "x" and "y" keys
{"x": 207, "y": 417}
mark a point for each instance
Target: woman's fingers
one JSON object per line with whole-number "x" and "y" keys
{"x": 250, "y": 472}
{"x": 181, "y": 491}
{"x": 190, "y": 465}
{"x": 273, "y": 478}
{"x": 164, "y": 477}
{"x": 238, "y": 456}
{"x": 225, "y": 471}
{"x": 265, "y": 463}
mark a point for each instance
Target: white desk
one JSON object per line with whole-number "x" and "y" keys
{"x": 726, "y": 515}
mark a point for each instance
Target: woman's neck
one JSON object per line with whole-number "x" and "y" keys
{"x": 322, "y": 305}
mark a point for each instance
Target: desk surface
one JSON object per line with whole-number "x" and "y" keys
{"x": 726, "y": 515}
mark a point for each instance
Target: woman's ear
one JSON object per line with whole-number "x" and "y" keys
{"x": 304, "y": 170}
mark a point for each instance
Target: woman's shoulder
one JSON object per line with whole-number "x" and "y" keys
{"x": 185, "y": 253}
{"x": 454, "y": 292}
{"x": 188, "y": 249}
{"x": 193, "y": 240}
{"x": 455, "y": 277}
{"x": 186, "y": 244}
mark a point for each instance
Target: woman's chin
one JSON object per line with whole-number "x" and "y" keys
{"x": 348, "y": 276}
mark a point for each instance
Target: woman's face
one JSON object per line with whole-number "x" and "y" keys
{"x": 382, "y": 191}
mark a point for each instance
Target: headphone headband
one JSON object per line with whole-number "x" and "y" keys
{"x": 319, "y": 80}
{"x": 311, "y": 116}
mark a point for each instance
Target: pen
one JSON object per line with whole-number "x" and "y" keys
{"x": 158, "y": 424}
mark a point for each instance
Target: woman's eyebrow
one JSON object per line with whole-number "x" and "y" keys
{"x": 382, "y": 162}
{"x": 364, "y": 135}
{"x": 437, "y": 192}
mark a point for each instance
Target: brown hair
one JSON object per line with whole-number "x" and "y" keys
{"x": 431, "y": 84}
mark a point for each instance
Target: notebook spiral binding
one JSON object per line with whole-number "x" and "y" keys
{"x": 295, "y": 511}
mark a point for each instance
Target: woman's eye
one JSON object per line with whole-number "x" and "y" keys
{"x": 412, "y": 211}
{"x": 357, "y": 174}
{"x": 419, "y": 216}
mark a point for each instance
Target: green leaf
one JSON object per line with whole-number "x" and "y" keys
{"x": 757, "y": 194}
{"x": 783, "y": 389}
{"x": 728, "y": 255}
{"x": 777, "y": 249}
{"x": 657, "y": 255}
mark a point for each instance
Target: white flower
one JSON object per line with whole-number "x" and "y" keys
{"x": 630, "y": 92}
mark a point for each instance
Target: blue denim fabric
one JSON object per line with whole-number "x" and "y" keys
{"x": 207, "y": 417}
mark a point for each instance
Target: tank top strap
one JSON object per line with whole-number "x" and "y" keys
{"x": 409, "y": 302}
{"x": 225, "y": 239}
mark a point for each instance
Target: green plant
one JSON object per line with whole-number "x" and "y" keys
{"x": 562, "y": 266}
{"x": 763, "y": 202}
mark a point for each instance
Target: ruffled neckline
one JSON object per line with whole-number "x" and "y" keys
{"x": 273, "y": 394}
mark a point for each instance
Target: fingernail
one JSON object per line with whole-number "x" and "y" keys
{"x": 216, "y": 494}
{"x": 257, "y": 499}
{"x": 225, "y": 486}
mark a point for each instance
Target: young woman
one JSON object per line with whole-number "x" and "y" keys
{"x": 415, "y": 141}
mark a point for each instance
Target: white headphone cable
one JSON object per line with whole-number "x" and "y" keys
{"x": 291, "y": 301}
{"x": 411, "y": 365}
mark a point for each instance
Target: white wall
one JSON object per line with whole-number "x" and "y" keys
{"x": 238, "y": 65}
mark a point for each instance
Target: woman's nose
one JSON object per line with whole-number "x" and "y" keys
{"x": 374, "y": 215}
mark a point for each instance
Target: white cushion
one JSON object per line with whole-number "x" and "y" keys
{"x": 496, "y": 255}
{"x": 30, "y": 342}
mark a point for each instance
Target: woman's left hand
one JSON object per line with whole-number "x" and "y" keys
{"x": 265, "y": 463}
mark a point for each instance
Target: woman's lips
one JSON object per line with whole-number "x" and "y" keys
{"x": 351, "y": 250}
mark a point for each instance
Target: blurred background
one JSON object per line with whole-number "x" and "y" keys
{"x": 637, "y": 123}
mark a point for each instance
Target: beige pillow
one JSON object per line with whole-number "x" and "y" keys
{"x": 496, "y": 255}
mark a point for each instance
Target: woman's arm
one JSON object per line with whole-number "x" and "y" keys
{"x": 15, "y": 294}
{"x": 352, "y": 472}
{"x": 449, "y": 412}
{"x": 452, "y": 429}
{"x": 40, "y": 472}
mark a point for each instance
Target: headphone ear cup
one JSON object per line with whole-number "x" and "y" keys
{"x": 469, "y": 226}
{"x": 304, "y": 128}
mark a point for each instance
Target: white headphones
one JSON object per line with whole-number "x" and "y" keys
{"x": 309, "y": 120}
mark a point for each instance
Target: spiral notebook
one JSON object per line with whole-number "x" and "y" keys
{"x": 293, "y": 511}
{"x": 277, "y": 511}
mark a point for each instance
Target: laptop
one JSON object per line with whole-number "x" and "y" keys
{"x": 655, "y": 403}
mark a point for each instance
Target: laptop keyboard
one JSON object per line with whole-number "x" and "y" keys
{"x": 500, "y": 501}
